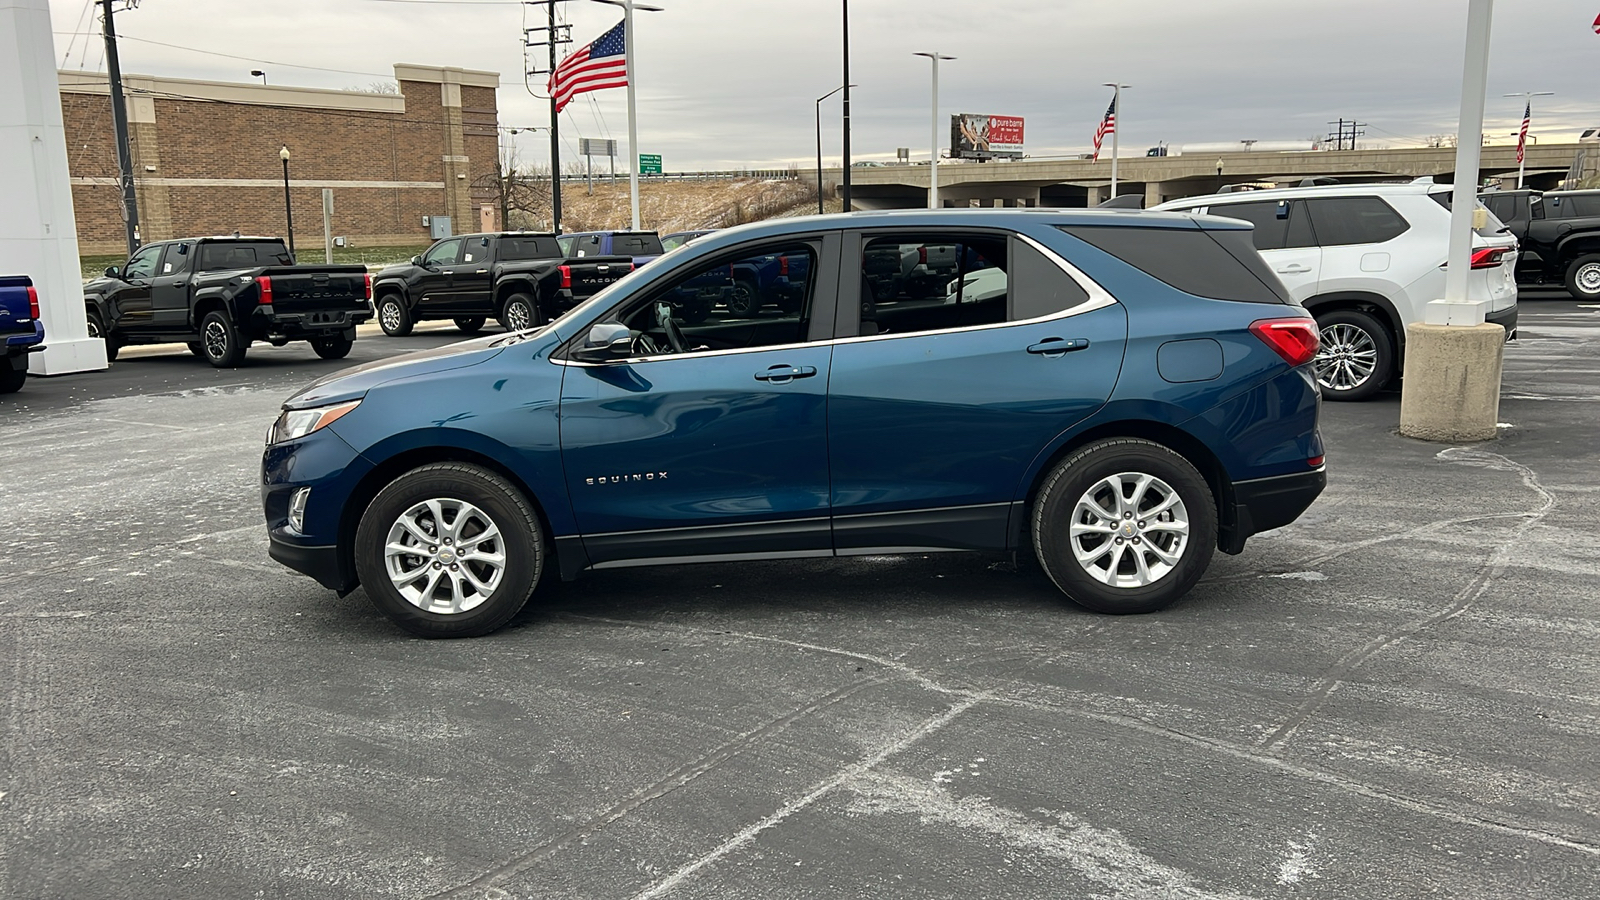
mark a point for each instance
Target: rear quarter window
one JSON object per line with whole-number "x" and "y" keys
{"x": 1218, "y": 264}
{"x": 1354, "y": 220}
{"x": 529, "y": 248}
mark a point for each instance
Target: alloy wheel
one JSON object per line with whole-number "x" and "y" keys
{"x": 216, "y": 339}
{"x": 1346, "y": 359}
{"x": 389, "y": 316}
{"x": 518, "y": 317}
{"x": 445, "y": 556}
{"x": 1129, "y": 530}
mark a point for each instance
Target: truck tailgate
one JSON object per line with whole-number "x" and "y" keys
{"x": 590, "y": 275}
{"x": 319, "y": 288}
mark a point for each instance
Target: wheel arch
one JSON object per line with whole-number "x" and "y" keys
{"x": 521, "y": 284}
{"x": 205, "y": 305}
{"x": 1362, "y": 301}
{"x": 1572, "y": 246}
{"x": 382, "y": 289}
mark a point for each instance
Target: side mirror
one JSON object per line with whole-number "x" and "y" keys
{"x": 416, "y": 260}
{"x": 113, "y": 272}
{"x": 605, "y": 341}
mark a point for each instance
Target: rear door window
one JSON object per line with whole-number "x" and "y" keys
{"x": 1215, "y": 263}
{"x": 1354, "y": 220}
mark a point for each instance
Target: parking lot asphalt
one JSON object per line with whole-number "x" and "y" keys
{"x": 1397, "y": 696}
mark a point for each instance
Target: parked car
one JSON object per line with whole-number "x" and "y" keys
{"x": 671, "y": 242}
{"x": 1365, "y": 259}
{"x": 638, "y": 246}
{"x": 1139, "y": 397}
{"x": 1558, "y": 235}
{"x": 519, "y": 278}
{"x": 21, "y": 329}
{"x": 220, "y": 294}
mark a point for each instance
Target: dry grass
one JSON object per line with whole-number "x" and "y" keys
{"x": 668, "y": 206}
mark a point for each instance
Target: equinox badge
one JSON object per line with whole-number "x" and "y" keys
{"x": 619, "y": 479}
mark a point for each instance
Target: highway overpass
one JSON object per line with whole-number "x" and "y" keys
{"x": 1082, "y": 182}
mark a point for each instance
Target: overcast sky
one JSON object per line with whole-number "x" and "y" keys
{"x": 726, "y": 83}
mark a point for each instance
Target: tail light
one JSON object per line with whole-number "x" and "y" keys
{"x": 922, "y": 256}
{"x": 1488, "y": 257}
{"x": 783, "y": 265}
{"x": 368, "y": 288}
{"x": 1295, "y": 340}
{"x": 265, "y": 284}
{"x": 566, "y": 276}
{"x": 631, "y": 267}
{"x": 33, "y": 302}
{"x": 1315, "y": 461}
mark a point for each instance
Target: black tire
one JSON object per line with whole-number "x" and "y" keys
{"x": 1078, "y": 478}
{"x": 97, "y": 329}
{"x": 221, "y": 344}
{"x": 393, "y": 317}
{"x": 522, "y": 547}
{"x": 520, "y": 312}
{"x": 1352, "y": 341}
{"x": 470, "y": 324}
{"x": 1583, "y": 277}
{"x": 197, "y": 348}
{"x": 335, "y": 347}
{"x": 11, "y": 380}
{"x": 745, "y": 299}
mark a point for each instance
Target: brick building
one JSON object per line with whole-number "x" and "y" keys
{"x": 205, "y": 157}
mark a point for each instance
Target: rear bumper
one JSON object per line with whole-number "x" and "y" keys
{"x": 1262, "y": 504}
{"x": 1505, "y": 318}
{"x": 313, "y": 323}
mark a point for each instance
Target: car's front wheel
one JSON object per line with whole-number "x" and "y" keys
{"x": 449, "y": 550}
{"x": 1583, "y": 277}
{"x": 97, "y": 329}
{"x": 1356, "y": 357}
{"x": 393, "y": 317}
{"x": 1124, "y": 526}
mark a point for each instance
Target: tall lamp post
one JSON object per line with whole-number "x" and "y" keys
{"x": 259, "y": 74}
{"x": 628, "y": 7}
{"x": 1116, "y": 127}
{"x": 288, "y": 211}
{"x": 1527, "y": 116}
{"x": 933, "y": 144}
{"x": 1219, "y": 174}
{"x": 845, "y": 186}
{"x": 836, "y": 90}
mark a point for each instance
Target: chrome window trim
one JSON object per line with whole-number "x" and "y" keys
{"x": 1099, "y": 298}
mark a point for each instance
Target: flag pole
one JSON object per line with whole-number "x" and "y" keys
{"x": 1116, "y": 127}
{"x": 1527, "y": 119}
{"x": 633, "y": 113}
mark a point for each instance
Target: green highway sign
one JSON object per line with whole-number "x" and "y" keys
{"x": 649, "y": 164}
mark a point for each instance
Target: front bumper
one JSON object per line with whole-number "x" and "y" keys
{"x": 321, "y": 563}
{"x": 1261, "y": 504}
{"x": 1505, "y": 318}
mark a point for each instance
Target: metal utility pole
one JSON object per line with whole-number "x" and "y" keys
{"x": 1116, "y": 128}
{"x": 836, "y": 90}
{"x": 288, "y": 210}
{"x": 119, "y": 122}
{"x": 1522, "y": 135}
{"x": 844, "y": 187}
{"x": 933, "y": 145}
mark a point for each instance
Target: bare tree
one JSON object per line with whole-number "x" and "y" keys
{"x": 521, "y": 193}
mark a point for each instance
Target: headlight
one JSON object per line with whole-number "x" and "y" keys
{"x": 297, "y": 423}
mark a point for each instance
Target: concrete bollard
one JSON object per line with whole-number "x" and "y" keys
{"x": 1451, "y": 387}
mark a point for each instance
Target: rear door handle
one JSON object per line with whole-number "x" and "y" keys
{"x": 785, "y": 374}
{"x": 1295, "y": 269}
{"x": 1053, "y": 347}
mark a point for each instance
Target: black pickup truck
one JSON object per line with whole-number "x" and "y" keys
{"x": 1559, "y": 234}
{"x": 220, "y": 294}
{"x": 519, "y": 278}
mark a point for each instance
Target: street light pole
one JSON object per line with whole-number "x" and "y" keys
{"x": 628, "y": 6}
{"x": 1527, "y": 107}
{"x": 933, "y": 141}
{"x": 844, "y": 188}
{"x": 836, "y": 90}
{"x": 1116, "y": 110}
{"x": 288, "y": 211}
{"x": 259, "y": 74}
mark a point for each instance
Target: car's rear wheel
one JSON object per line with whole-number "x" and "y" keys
{"x": 449, "y": 550}
{"x": 393, "y": 317}
{"x": 1124, "y": 526}
{"x": 11, "y": 380}
{"x": 335, "y": 347}
{"x": 224, "y": 346}
{"x": 744, "y": 299}
{"x": 470, "y": 324}
{"x": 518, "y": 313}
{"x": 1583, "y": 277}
{"x": 1356, "y": 358}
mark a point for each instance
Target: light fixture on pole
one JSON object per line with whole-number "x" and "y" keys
{"x": 933, "y": 145}
{"x": 1527, "y": 118}
{"x": 259, "y": 74}
{"x": 288, "y": 211}
{"x": 1116, "y": 108}
{"x": 836, "y": 90}
{"x": 628, "y": 7}
{"x": 1219, "y": 174}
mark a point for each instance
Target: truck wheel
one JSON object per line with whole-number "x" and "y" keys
{"x": 336, "y": 347}
{"x": 224, "y": 346}
{"x": 449, "y": 550}
{"x": 1124, "y": 526}
{"x": 11, "y": 379}
{"x": 745, "y": 299}
{"x": 197, "y": 348}
{"x": 518, "y": 313}
{"x": 393, "y": 317}
{"x": 97, "y": 329}
{"x": 470, "y": 324}
{"x": 1356, "y": 359}
{"x": 1583, "y": 277}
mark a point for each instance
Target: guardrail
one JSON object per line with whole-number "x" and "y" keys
{"x": 782, "y": 174}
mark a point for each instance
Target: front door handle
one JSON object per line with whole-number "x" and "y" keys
{"x": 180, "y": 284}
{"x": 785, "y": 374}
{"x": 1054, "y": 347}
{"x": 1294, "y": 269}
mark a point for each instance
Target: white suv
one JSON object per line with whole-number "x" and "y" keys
{"x": 1364, "y": 259}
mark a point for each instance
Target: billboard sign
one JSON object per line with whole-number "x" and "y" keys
{"x": 975, "y": 136}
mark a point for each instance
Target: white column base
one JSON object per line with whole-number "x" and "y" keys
{"x": 1455, "y": 312}
{"x": 67, "y": 356}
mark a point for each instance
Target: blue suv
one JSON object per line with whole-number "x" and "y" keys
{"x": 1120, "y": 393}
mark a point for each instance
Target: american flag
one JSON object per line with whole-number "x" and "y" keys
{"x": 1108, "y": 125}
{"x": 594, "y": 66}
{"x": 1522, "y": 136}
